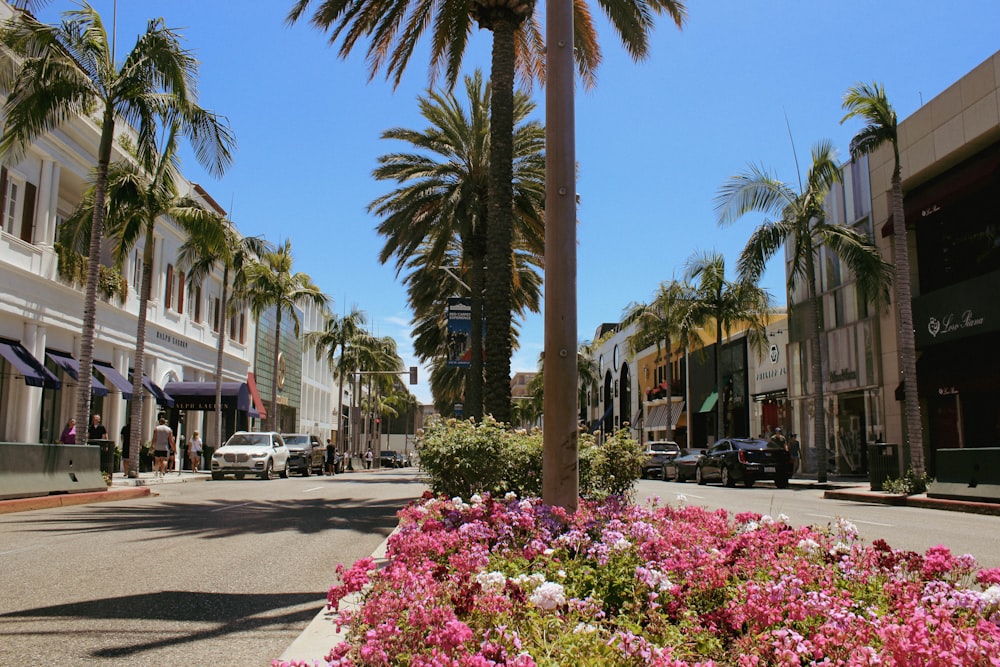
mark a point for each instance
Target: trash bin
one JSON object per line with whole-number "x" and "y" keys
{"x": 107, "y": 454}
{"x": 883, "y": 463}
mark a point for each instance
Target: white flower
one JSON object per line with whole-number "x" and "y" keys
{"x": 561, "y": 574}
{"x": 476, "y": 499}
{"x": 783, "y": 518}
{"x": 510, "y": 496}
{"x": 492, "y": 582}
{"x": 682, "y": 498}
{"x": 584, "y": 628}
{"x": 621, "y": 544}
{"x": 809, "y": 546}
{"x": 548, "y": 596}
{"x": 549, "y": 551}
{"x": 749, "y": 527}
{"x": 766, "y": 520}
{"x": 845, "y": 527}
{"x": 991, "y": 595}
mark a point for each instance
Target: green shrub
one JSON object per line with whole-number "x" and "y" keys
{"x": 461, "y": 458}
{"x": 908, "y": 485}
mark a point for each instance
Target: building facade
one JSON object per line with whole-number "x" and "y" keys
{"x": 950, "y": 157}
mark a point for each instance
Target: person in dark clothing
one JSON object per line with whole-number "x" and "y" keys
{"x": 96, "y": 430}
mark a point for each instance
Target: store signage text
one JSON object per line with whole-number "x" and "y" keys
{"x": 771, "y": 374}
{"x": 951, "y": 323}
{"x": 843, "y": 375}
{"x": 173, "y": 340}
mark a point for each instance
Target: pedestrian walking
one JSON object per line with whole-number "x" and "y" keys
{"x": 194, "y": 452}
{"x": 96, "y": 430}
{"x": 163, "y": 446}
{"x": 126, "y": 439}
{"x": 778, "y": 439}
{"x": 794, "y": 452}
{"x": 331, "y": 457}
{"x": 68, "y": 435}
{"x": 369, "y": 457}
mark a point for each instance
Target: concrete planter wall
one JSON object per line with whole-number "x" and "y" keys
{"x": 28, "y": 469}
{"x": 967, "y": 474}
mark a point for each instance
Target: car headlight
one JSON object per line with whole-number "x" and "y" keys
{"x": 258, "y": 455}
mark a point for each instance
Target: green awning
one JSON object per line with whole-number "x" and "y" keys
{"x": 709, "y": 403}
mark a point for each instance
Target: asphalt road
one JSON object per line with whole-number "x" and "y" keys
{"x": 204, "y": 573}
{"x": 909, "y": 528}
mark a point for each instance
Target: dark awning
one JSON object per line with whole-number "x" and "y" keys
{"x": 33, "y": 372}
{"x": 162, "y": 398}
{"x": 115, "y": 378}
{"x": 71, "y": 367}
{"x": 201, "y": 395}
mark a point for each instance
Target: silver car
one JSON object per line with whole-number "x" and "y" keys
{"x": 259, "y": 453}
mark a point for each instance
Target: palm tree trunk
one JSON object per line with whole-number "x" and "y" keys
{"x": 273, "y": 420}
{"x": 816, "y": 355}
{"x": 219, "y": 356}
{"x": 720, "y": 424}
{"x": 340, "y": 409}
{"x": 500, "y": 225}
{"x": 907, "y": 348}
{"x": 135, "y": 411}
{"x": 93, "y": 268}
{"x": 474, "y": 379}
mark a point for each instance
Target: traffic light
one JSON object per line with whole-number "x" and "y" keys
{"x": 413, "y": 375}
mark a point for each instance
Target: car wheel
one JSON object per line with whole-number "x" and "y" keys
{"x": 727, "y": 478}
{"x": 239, "y": 475}
{"x": 284, "y": 471}
{"x": 217, "y": 476}
{"x": 748, "y": 482}
{"x": 306, "y": 471}
{"x": 699, "y": 475}
{"x": 781, "y": 482}
{"x": 678, "y": 477}
{"x": 268, "y": 471}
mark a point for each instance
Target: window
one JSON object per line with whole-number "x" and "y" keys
{"x": 137, "y": 271}
{"x": 216, "y": 311}
{"x": 237, "y": 327}
{"x": 174, "y": 294}
{"x": 196, "y": 296}
{"x": 17, "y": 206}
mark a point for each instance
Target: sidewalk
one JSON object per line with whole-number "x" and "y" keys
{"x": 122, "y": 488}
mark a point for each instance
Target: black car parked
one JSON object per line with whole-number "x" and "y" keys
{"x": 683, "y": 467}
{"x": 306, "y": 454}
{"x": 746, "y": 460}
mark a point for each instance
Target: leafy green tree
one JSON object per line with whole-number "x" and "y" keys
{"x": 436, "y": 219}
{"x": 797, "y": 218}
{"x": 68, "y": 71}
{"x": 664, "y": 322}
{"x": 214, "y": 243}
{"x": 869, "y": 103}
{"x": 271, "y": 284}
{"x": 727, "y": 304}
{"x": 338, "y": 343}
{"x": 393, "y": 28}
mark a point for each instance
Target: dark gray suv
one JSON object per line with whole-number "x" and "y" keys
{"x": 306, "y": 454}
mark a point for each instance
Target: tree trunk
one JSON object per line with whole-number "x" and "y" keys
{"x": 219, "y": 357}
{"x": 499, "y": 224}
{"x": 816, "y": 356}
{"x": 473, "y": 399}
{"x": 135, "y": 410}
{"x": 907, "y": 349}
{"x": 273, "y": 417}
{"x": 720, "y": 423}
{"x": 93, "y": 268}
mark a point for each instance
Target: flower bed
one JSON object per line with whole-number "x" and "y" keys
{"x": 514, "y": 582}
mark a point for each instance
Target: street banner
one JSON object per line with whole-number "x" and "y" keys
{"x": 459, "y": 332}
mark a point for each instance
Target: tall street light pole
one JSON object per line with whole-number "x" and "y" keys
{"x": 560, "y": 467}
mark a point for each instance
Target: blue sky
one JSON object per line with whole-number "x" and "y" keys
{"x": 655, "y": 140}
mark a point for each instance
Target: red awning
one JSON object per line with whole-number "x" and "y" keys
{"x": 255, "y": 395}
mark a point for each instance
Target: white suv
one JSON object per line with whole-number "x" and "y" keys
{"x": 260, "y": 453}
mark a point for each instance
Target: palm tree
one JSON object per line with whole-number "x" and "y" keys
{"x": 212, "y": 243}
{"x": 728, "y": 304}
{"x": 664, "y": 322}
{"x": 869, "y": 102}
{"x": 439, "y": 211}
{"x": 68, "y": 71}
{"x": 393, "y": 29}
{"x": 338, "y": 342}
{"x": 379, "y": 359}
{"x": 271, "y": 284}
{"x": 798, "y": 219}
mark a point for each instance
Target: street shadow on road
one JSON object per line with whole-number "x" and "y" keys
{"x": 226, "y": 613}
{"x": 215, "y": 519}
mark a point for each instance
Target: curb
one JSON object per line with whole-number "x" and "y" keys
{"x": 921, "y": 500}
{"x": 321, "y": 635}
{"x": 68, "y": 499}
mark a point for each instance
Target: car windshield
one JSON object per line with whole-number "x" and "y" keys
{"x": 754, "y": 444}
{"x": 662, "y": 447}
{"x": 296, "y": 439}
{"x": 251, "y": 440}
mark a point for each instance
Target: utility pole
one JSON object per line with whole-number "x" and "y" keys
{"x": 560, "y": 440}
